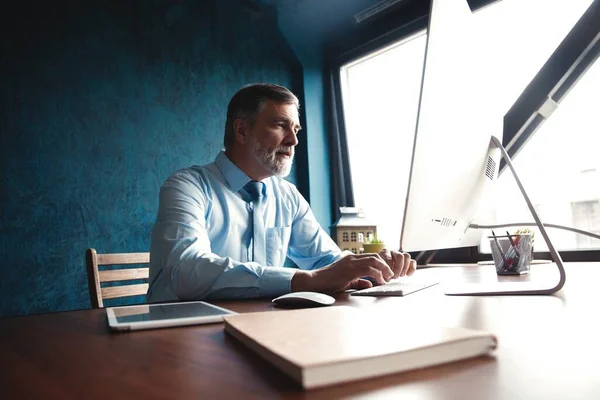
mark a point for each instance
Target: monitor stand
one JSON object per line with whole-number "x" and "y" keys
{"x": 515, "y": 287}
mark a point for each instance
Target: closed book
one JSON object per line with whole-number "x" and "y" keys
{"x": 324, "y": 346}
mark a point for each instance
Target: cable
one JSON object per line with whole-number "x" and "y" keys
{"x": 566, "y": 228}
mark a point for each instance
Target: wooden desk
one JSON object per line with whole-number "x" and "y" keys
{"x": 549, "y": 348}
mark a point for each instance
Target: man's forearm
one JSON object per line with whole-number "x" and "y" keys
{"x": 217, "y": 277}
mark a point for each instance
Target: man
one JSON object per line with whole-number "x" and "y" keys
{"x": 223, "y": 230}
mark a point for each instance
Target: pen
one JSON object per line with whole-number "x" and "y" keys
{"x": 515, "y": 256}
{"x": 499, "y": 249}
{"x": 513, "y": 244}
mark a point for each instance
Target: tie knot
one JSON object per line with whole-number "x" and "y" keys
{"x": 254, "y": 189}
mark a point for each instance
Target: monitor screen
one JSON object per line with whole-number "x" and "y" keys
{"x": 453, "y": 161}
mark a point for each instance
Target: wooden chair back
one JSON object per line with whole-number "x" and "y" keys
{"x": 97, "y": 276}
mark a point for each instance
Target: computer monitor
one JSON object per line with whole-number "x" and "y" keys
{"x": 455, "y": 155}
{"x": 453, "y": 162}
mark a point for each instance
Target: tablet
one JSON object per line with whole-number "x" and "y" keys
{"x": 151, "y": 316}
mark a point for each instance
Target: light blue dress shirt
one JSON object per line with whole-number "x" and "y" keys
{"x": 210, "y": 241}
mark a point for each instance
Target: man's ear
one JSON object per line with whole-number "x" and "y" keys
{"x": 240, "y": 130}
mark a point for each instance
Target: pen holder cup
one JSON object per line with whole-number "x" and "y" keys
{"x": 512, "y": 257}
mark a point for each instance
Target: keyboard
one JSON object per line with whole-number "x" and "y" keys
{"x": 394, "y": 289}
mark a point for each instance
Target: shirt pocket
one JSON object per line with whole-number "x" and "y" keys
{"x": 278, "y": 239}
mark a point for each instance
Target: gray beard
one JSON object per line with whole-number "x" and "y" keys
{"x": 268, "y": 159}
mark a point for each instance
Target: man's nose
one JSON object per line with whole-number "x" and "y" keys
{"x": 291, "y": 138}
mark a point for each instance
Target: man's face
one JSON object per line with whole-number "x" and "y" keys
{"x": 273, "y": 137}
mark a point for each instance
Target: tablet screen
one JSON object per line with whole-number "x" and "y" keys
{"x": 157, "y": 312}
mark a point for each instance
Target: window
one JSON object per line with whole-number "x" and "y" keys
{"x": 560, "y": 170}
{"x": 380, "y": 97}
{"x": 353, "y": 236}
{"x": 586, "y": 216}
{"x": 345, "y": 236}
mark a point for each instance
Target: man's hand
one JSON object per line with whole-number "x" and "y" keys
{"x": 344, "y": 274}
{"x": 399, "y": 262}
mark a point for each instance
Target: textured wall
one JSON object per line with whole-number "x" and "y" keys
{"x": 308, "y": 46}
{"x": 101, "y": 101}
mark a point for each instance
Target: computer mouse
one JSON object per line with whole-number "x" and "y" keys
{"x": 304, "y": 299}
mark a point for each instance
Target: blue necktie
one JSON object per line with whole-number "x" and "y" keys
{"x": 255, "y": 191}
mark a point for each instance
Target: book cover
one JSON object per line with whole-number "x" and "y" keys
{"x": 329, "y": 345}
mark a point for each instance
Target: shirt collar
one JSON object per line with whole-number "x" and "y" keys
{"x": 235, "y": 177}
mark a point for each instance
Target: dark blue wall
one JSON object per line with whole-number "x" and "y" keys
{"x": 309, "y": 50}
{"x": 101, "y": 101}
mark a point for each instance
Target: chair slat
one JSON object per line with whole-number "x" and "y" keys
{"x": 124, "y": 291}
{"x": 123, "y": 274}
{"x": 116, "y": 274}
{"x": 123, "y": 258}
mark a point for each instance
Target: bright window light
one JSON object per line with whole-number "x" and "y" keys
{"x": 514, "y": 38}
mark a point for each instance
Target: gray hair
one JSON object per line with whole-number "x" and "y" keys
{"x": 249, "y": 101}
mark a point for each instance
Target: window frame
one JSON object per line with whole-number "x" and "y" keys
{"x": 562, "y": 70}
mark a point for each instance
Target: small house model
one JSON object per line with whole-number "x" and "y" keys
{"x": 353, "y": 229}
